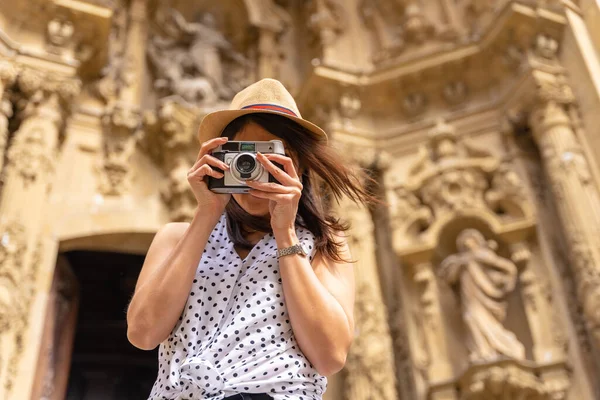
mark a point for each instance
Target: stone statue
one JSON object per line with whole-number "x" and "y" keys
{"x": 189, "y": 60}
{"x": 485, "y": 280}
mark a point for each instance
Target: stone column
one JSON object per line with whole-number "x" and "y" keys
{"x": 576, "y": 197}
{"x": 29, "y": 171}
{"x": 8, "y": 74}
{"x": 370, "y": 364}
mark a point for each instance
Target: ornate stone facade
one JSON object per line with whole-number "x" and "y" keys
{"x": 478, "y": 277}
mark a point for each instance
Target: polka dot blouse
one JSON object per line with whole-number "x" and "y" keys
{"x": 234, "y": 334}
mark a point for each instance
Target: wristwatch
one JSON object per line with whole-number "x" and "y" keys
{"x": 298, "y": 248}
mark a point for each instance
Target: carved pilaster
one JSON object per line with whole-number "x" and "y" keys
{"x": 15, "y": 287}
{"x": 28, "y": 174}
{"x": 438, "y": 369}
{"x": 577, "y": 198}
{"x": 370, "y": 364}
{"x": 123, "y": 119}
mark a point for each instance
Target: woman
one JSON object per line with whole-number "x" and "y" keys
{"x": 239, "y": 310}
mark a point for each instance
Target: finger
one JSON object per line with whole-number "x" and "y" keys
{"x": 204, "y": 170}
{"x": 210, "y": 145}
{"x": 206, "y": 152}
{"x": 215, "y": 162}
{"x": 200, "y": 161}
{"x": 288, "y": 164}
{"x": 276, "y": 197}
{"x": 269, "y": 187}
{"x": 279, "y": 174}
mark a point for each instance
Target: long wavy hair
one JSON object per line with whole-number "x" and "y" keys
{"x": 323, "y": 173}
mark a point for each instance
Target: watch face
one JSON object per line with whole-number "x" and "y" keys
{"x": 304, "y": 248}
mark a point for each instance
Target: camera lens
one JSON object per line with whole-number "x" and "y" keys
{"x": 245, "y": 164}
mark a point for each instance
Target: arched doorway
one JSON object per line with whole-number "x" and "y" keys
{"x": 85, "y": 352}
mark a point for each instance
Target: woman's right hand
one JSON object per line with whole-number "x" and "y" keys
{"x": 197, "y": 177}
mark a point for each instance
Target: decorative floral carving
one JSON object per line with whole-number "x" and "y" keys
{"x": 16, "y": 293}
{"x": 369, "y": 362}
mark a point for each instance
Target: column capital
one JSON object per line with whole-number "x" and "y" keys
{"x": 552, "y": 87}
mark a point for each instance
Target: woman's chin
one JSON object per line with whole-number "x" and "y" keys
{"x": 253, "y": 205}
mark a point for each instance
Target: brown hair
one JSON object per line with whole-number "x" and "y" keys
{"x": 317, "y": 160}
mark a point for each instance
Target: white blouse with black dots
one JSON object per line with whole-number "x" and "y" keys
{"x": 234, "y": 334}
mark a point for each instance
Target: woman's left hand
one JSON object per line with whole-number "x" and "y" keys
{"x": 284, "y": 197}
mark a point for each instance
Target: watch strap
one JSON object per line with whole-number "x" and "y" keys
{"x": 295, "y": 249}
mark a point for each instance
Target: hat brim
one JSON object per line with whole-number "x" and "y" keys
{"x": 212, "y": 124}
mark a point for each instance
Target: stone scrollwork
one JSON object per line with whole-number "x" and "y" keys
{"x": 484, "y": 281}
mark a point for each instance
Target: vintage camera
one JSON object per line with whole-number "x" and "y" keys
{"x": 243, "y": 165}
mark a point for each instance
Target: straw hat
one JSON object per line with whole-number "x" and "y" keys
{"x": 265, "y": 96}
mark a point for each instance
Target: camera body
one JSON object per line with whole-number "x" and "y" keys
{"x": 243, "y": 165}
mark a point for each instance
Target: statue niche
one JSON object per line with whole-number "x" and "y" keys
{"x": 484, "y": 281}
{"x": 194, "y": 60}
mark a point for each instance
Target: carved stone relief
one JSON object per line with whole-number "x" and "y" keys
{"x": 8, "y": 75}
{"x": 170, "y": 133}
{"x": 327, "y": 19}
{"x": 123, "y": 132}
{"x": 369, "y": 361}
{"x": 16, "y": 292}
{"x": 451, "y": 176}
{"x": 484, "y": 282}
{"x": 195, "y": 61}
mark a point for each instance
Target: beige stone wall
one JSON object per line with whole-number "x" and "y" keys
{"x": 480, "y": 279}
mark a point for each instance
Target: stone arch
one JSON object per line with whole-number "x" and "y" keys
{"x": 126, "y": 241}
